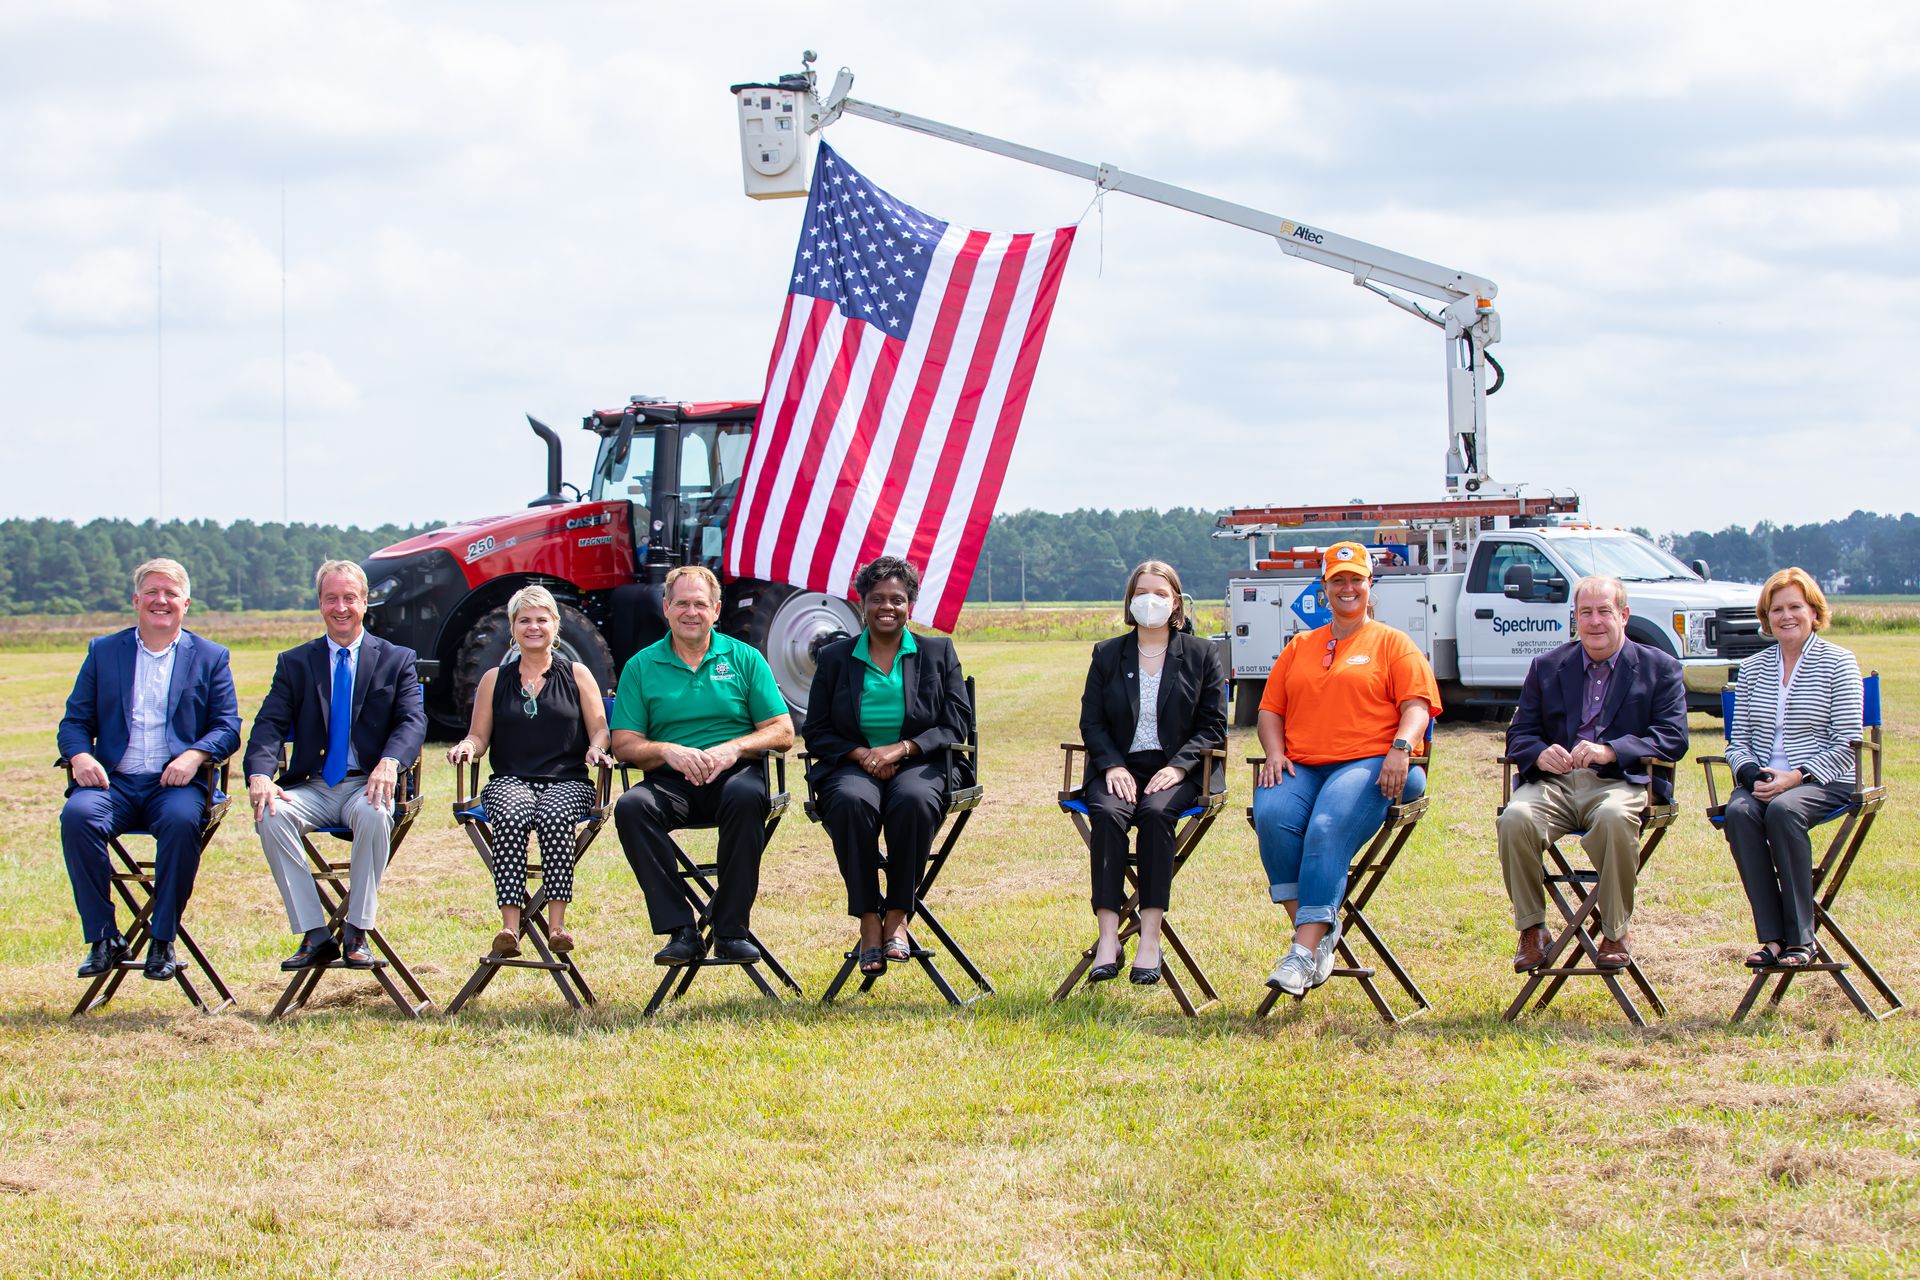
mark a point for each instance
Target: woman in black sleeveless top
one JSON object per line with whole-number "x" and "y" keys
{"x": 546, "y": 728}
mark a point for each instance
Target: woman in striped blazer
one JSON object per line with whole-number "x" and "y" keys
{"x": 1791, "y": 751}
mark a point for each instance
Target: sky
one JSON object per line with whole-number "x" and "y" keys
{"x": 1704, "y": 221}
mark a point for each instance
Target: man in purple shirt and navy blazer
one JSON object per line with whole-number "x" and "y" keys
{"x": 151, "y": 706}
{"x": 1592, "y": 713}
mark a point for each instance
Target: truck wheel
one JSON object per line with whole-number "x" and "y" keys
{"x": 1246, "y": 702}
{"x": 788, "y": 625}
{"x": 487, "y": 644}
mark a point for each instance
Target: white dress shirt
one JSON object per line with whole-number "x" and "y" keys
{"x": 147, "y": 723}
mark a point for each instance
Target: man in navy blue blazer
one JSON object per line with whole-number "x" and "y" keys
{"x": 1592, "y": 713}
{"x": 350, "y": 703}
{"x": 153, "y": 704}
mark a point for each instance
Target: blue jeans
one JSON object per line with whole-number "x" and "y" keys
{"x": 1312, "y": 824}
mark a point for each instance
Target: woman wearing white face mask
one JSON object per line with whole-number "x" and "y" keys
{"x": 1155, "y": 704}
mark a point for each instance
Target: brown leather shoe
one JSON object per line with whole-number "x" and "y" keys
{"x": 1616, "y": 953}
{"x": 1532, "y": 949}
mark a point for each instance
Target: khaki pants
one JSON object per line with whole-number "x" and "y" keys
{"x": 1607, "y": 809}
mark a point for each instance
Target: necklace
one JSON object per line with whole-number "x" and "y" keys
{"x": 1153, "y": 653}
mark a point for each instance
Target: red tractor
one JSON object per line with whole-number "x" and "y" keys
{"x": 663, "y": 486}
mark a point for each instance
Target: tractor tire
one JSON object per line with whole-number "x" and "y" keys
{"x": 788, "y": 626}
{"x": 490, "y": 640}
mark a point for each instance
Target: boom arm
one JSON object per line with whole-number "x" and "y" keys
{"x": 1467, "y": 316}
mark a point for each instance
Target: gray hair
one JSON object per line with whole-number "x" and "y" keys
{"x": 1602, "y": 582}
{"x": 172, "y": 570}
{"x": 346, "y": 567}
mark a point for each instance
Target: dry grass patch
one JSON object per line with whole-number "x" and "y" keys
{"x": 890, "y": 1135}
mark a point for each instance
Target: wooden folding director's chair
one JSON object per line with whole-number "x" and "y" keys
{"x": 1364, "y": 874}
{"x": 963, "y": 796}
{"x": 697, "y": 882}
{"x": 1830, "y": 872}
{"x": 330, "y": 878}
{"x": 136, "y": 874}
{"x": 1582, "y": 925}
{"x": 1194, "y": 822}
{"x": 560, "y": 966}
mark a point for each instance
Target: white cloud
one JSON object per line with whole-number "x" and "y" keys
{"x": 1701, "y": 219}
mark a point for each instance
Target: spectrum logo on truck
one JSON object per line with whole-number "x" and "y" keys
{"x": 1507, "y": 626}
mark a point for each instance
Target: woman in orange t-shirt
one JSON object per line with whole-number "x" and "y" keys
{"x": 1343, "y": 708}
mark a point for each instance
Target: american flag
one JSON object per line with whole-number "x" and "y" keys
{"x": 902, "y": 365}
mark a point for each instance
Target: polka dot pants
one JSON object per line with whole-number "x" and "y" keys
{"x": 516, "y": 808}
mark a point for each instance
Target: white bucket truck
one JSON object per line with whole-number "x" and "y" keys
{"x": 1482, "y": 585}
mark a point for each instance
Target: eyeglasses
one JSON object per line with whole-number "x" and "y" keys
{"x": 1326, "y": 662}
{"x": 531, "y": 703}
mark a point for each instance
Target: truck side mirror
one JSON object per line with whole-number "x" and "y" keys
{"x": 1518, "y": 584}
{"x": 1700, "y": 567}
{"x": 1556, "y": 591}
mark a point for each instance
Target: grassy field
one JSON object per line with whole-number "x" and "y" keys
{"x": 893, "y": 1136}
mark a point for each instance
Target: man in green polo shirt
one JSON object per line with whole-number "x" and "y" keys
{"x": 697, "y": 710}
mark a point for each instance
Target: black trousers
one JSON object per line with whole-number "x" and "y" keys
{"x": 1772, "y": 846}
{"x": 856, "y": 808}
{"x": 1155, "y": 815}
{"x": 737, "y": 802}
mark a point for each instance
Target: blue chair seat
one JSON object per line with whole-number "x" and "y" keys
{"x": 1720, "y": 819}
{"x": 219, "y": 798}
{"x": 1080, "y": 807}
{"x": 479, "y": 814}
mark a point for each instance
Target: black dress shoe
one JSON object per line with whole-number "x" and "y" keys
{"x": 683, "y": 947}
{"x": 103, "y": 955}
{"x": 356, "y": 954}
{"x": 1143, "y": 977}
{"x": 741, "y": 950}
{"x": 1104, "y": 972}
{"x": 312, "y": 955}
{"x": 160, "y": 966}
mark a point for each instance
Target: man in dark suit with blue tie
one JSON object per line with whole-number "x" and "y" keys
{"x": 351, "y": 704}
{"x": 153, "y": 704}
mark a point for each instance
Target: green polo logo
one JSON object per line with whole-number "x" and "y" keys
{"x": 721, "y": 670}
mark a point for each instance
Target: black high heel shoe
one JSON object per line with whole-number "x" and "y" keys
{"x": 1108, "y": 972}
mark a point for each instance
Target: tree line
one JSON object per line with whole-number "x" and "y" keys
{"x": 1864, "y": 554}
{"x": 57, "y": 566}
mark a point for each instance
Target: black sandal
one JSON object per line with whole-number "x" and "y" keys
{"x": 1795, "y": 957}
{"x": 1765, "y": 958}
{"x": 873, "y": 961}
{"x": 897, "y": 950}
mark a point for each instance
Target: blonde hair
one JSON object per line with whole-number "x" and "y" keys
{"x": 1795, "y": 576}
{"x": 1164, "y": 570}
{"x": 344, "y": 567}
{"x": 532, "y": 597}
{"x": 172, "y": 570}
{"x": 1598, "y": 581}
{"x": 699, "y": 571}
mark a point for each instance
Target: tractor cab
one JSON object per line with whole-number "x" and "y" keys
{"x": 678, "y": 467}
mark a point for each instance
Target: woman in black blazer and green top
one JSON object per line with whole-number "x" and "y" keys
{"x": 884, "y": 704}
{"x": 1155, "y": 704}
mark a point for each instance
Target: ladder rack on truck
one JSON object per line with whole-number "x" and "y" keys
{"x": 1481, "y": 584}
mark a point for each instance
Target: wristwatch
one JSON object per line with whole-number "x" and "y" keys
{"x": 1401, "y": 744}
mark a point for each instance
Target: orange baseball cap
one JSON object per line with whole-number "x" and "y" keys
{"x": 1346, "y": 557}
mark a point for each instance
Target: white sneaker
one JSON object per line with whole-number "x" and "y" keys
{"x": 1323, "y": 956}
{"x": 1294, "y": 973}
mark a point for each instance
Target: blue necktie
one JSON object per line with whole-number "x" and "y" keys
{"x": 340, "y": 721}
